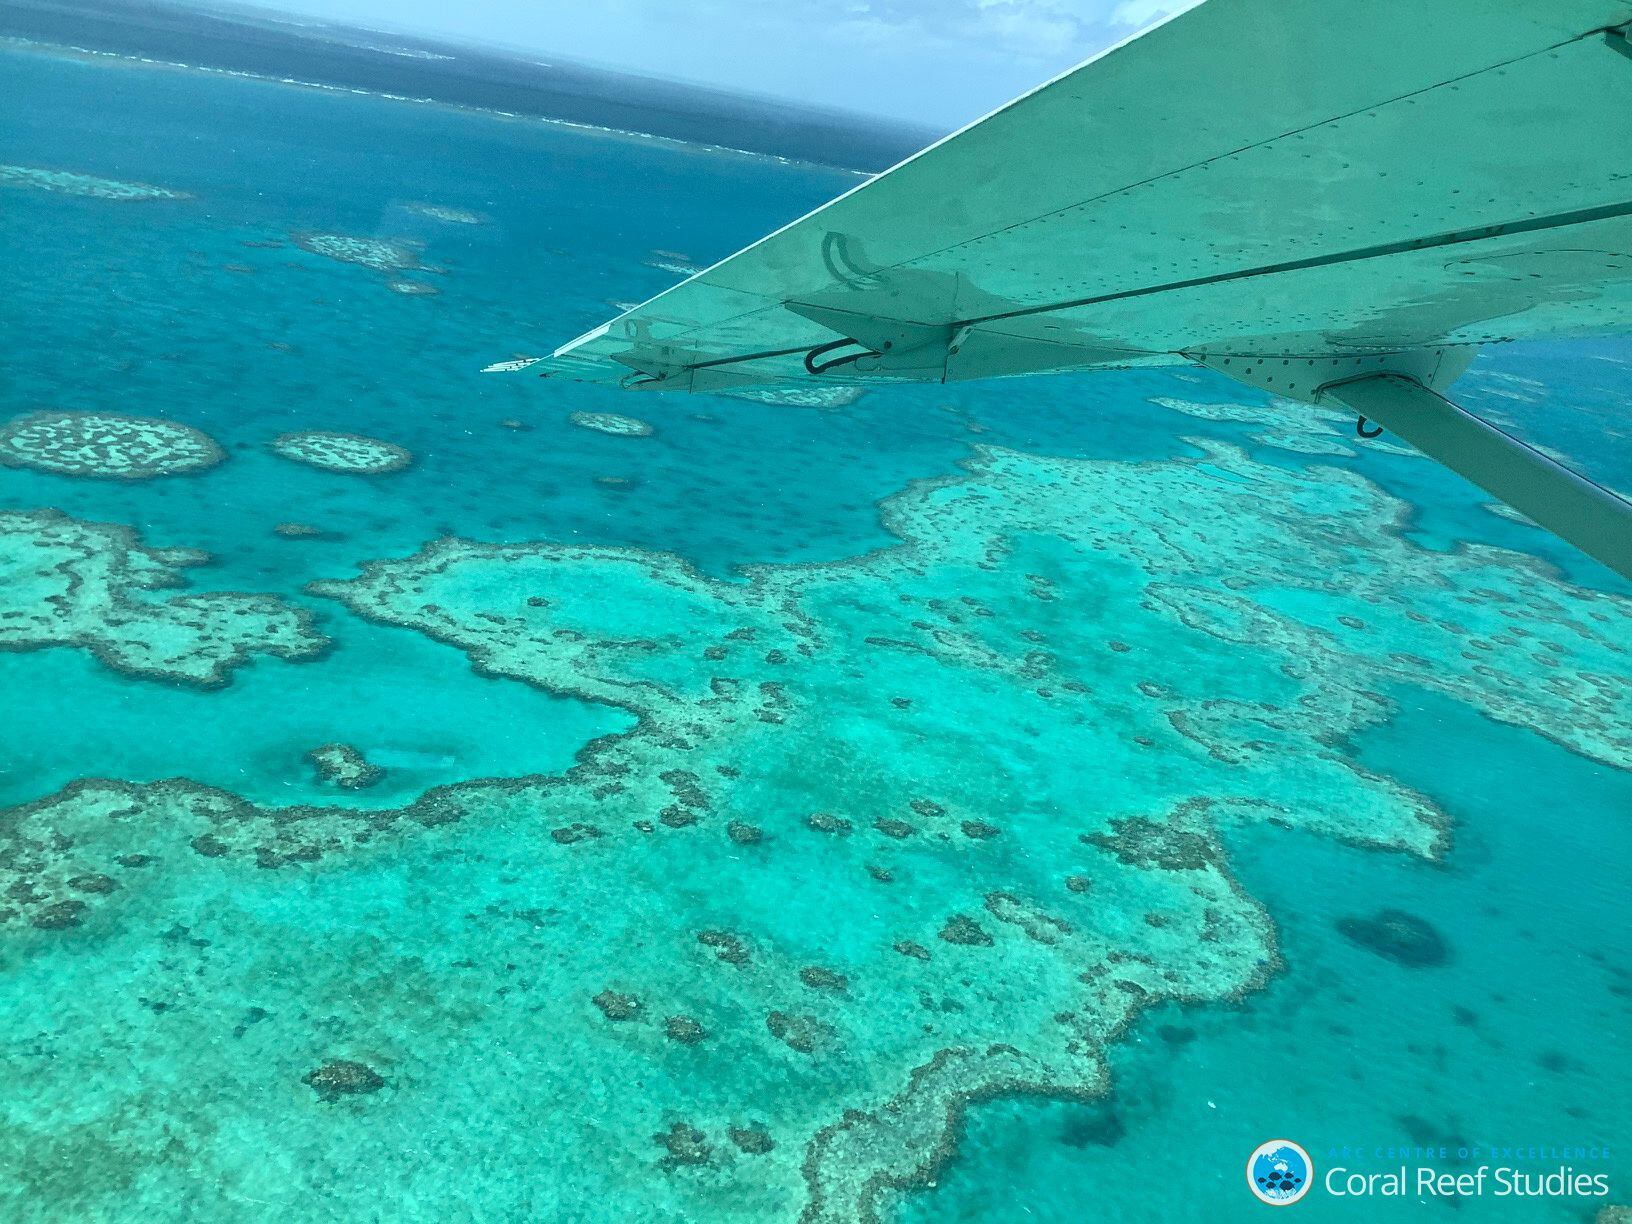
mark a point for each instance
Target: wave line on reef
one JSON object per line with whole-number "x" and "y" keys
{"x": 68, "y": 50}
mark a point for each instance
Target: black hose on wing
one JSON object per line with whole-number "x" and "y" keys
{"x": 813, "y": 364}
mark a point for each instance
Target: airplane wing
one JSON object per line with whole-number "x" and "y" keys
{"x": 1299, "y": 193}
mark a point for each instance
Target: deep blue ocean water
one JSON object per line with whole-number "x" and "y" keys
{"x": 205, "y": 311}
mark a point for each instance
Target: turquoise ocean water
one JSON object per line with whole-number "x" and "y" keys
{"x": 1134, "y": 704}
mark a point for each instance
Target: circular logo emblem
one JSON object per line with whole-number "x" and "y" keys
{"x": 1279, "y": 1172}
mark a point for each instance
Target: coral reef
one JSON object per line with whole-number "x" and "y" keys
{"x": 685, "y": 1144}
{"x": 962, "y": 929}
{"x": 895, "y": 834}
{"x": 379, "y": 254}
{"x": 818, "y": 978}
{"x": 352, "y": 454}
{"x": 798, "y": 1031}
{"x": 1397, "y": 936}
{"x": 342, "y": 1077}
{"x": 615, "y": 1006}
{"x": 755, "y": 1140}
{"x": 68, "y": 182}
{"x": 106, "y": 445}
{"x": 344, "y": 766}
{"x": 301, "y": 531}
{"x": 1301, "y": 429}
{"x": 612, "y": 423}
{"x": 64, "y": 582}
{"x": 683, "y": 1029}
{"x": 668, "y": 261}
{"x": 800, "y": 397}
{"x": 448, "y": 214}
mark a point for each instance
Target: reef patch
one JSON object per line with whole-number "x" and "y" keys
{"x": 302, "y": 531}
{"x": 669, "y": 261}
{"x": 1287, "y": 425}
{"x": 448, "y": 214}
{"x": 66, "y": 582}
{"x": 800, "y": 397}
{"x": 341, "y": 1077}
{"x": 351, "y": 454}
{"x": 379, "y": 254}
{"x": 344, "y": 766}
{"x": 612, "y": 423}
{"x": 106, "y": 445}
{"x": 1398, "y": 936}
{"x": 88, "y": 186}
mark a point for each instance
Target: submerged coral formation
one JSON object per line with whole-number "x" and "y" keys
{"x": 612, "y": 423}
{"x": 344, "y": 766}
{"x": 448, "y": 214}
{"x": 1302, "y": 429}
{"x": 105, "y": 444}
{"x": 800, "y": 397}
{"x": 64, "y": 582}
{"x": 299, "y": 531}
{"x": 380, "y": 254}
{"x": 343, "y": 1077}
{"x": 890, "y": 835}
{"x": 1397, "y": 936}
{"x": 69, "y": 182}
{"x": 352, "y": 454}
{"x": 673, "y": 261}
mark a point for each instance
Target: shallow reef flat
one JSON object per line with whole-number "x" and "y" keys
{"x": 106, "y": 445}
{"x": 889, "y": 835}
{"x": 349, "y": 454}
{"x": 75, "y": 183}
{"x": 1301, "y": 429}
{"x": 612, "y": 423}
{"x": 801, "y": 397}
{"x": 448, "y": 214}
{"x": 409, "y": 288}
{"x": 65, "y": 582}
{"x": 379, "y": 254}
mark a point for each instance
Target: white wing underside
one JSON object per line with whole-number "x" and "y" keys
{"x": 1262, "y": 181}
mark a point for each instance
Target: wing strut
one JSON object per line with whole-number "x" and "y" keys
{"x": 1589, "y": 516}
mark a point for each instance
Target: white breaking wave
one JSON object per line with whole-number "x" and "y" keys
{"x": 696, "y": 146}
